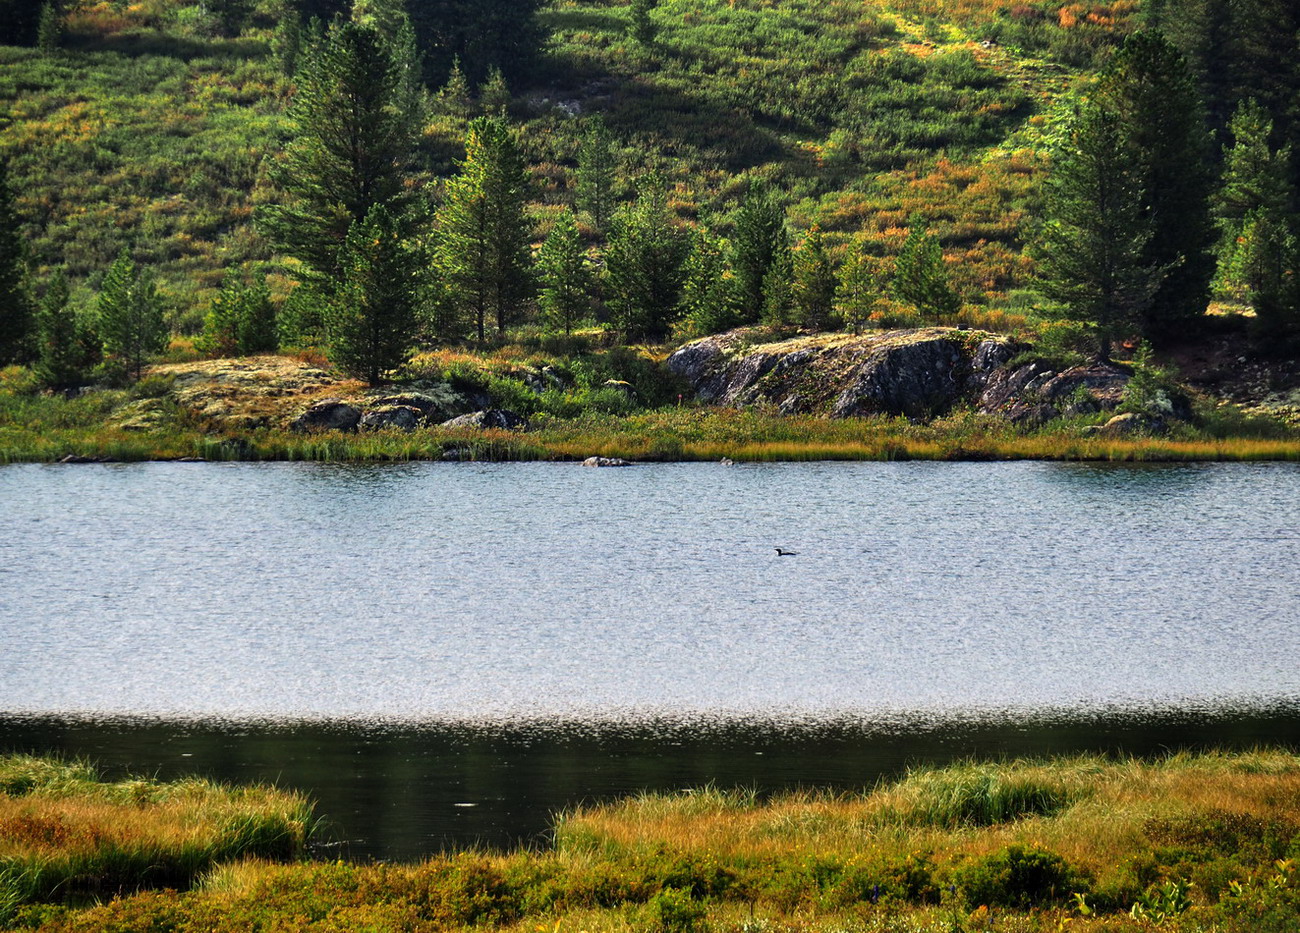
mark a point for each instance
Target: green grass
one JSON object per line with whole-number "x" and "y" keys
{"x": 978, "y": 846}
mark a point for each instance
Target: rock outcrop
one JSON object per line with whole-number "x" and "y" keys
{"x": 920, "y": 373}
{"x": 501, "y": 418}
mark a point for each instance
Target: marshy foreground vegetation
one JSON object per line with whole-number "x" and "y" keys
{"x": 1202, "y": 843}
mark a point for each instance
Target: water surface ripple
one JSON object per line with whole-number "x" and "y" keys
{"x": 512, "y": 592}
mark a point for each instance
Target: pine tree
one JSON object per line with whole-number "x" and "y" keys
{"x": 1092, "y": 246}
{"x": 494, "y": 96}
{"x": 287, "y": 42}
{"x": 709, "y": 297}
{"x": 372, "y": 316}
{"x": 815, "y": 283}
{"x": 565, "y": 279}
{"x": 241, "y": 321}
{"x": 453, "y": 98}
{"x": 759, "y": 239}
{"x": 61, "y": 357}
{"x": 484, "y": 236}
{"x": 921, "y": 277}
{"x": 1148, "y": 87}
{"x": 15, "y": 308}
{"x": 131, "y": 317}
{"x": 1255, "y": 191}
{"x": 597, "y": 172}
{"x": 640, "y": 25}
{"x": 352, "y": 148}
{"x": 862, "y": 287}
{"x": 644, "y": 264}
{"x": 49, "y": 34}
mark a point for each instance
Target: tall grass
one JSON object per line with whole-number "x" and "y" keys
{"x": 899, "y": 858}
{"x": 65, "y": 831}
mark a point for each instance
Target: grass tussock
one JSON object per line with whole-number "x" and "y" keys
{"x": 1201, "y": 842}
{"x": 64, "y": 831}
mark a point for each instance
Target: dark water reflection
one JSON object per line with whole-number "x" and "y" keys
{"x": 445, "y": 655}
{"x": 405, "y": 792}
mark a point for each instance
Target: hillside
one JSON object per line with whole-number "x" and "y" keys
{"x": 144, "y": 130}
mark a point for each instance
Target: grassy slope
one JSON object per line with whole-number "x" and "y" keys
{"x": 143, "y": 133}
{"x": 970, "y": 847}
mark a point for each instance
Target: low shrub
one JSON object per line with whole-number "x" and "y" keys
{"x": 1018, "y": 877}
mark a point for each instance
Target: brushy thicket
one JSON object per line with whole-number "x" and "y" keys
{"x": 1197, "y": 842}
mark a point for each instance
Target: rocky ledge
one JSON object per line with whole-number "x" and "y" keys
{"x": 921, "y": 373}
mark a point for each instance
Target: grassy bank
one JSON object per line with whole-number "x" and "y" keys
{"x": 46, "y": 429}
{"x": 1198, "y": 843}
{"x": 64, "y": 832}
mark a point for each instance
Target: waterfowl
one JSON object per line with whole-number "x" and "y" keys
{"x": 782, "y": 552}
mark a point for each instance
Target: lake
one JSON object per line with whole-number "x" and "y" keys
{"x": 447, "y": 653}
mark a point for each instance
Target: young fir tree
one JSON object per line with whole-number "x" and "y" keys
{"x": 565, "y": 277}
{"x": 494, "y": 96}
{"x": 49, "y": 34}
{"x": 1149, "y": 88}
{"x": 815, "y": 283}
{"x": 1092, "y": 246}
{"x": 484, "y": 250}
{"x": 131, "y": 317}
{"x": 61, "y": 358}
{"x": 709, "y": 298}
{"x": 641, "y": 27}
{"x": 921, "y": 277}
{"x": 240, "y": 322}
{"x": 863, "y": 284}
{"x": 15, "y": 307}
{"x": 372, "y": 317}
{"x": 759, "y": 239}
{"x": 453, "y": 98}
{"x": 1252, "y": 209}
{"x": 287, "y": 42}
{"x": 352, "y": 149}
{"x": 596, "y": 174}
{"x": 644, "y": 264}
{"x": 779, "y": 309}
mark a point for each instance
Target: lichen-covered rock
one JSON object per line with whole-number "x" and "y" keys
{"x": 391, "y": 418}
{"x": 331, "y": 414}
{"x": 919, "y": 373}
{"x": 490, "y": 418}
{"x": 1035, "y": 393}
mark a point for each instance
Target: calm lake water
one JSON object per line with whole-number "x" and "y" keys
{"x": 444, "y": 653}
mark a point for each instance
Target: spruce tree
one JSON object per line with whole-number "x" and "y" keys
{"x": 351, "y": 149}
{"x": 709, "y": 296}
{"x": 372, "y": 316}
{"x": 863, "y": 285}
{"x": 564, "y": 277}
{"x": 494, "y": 96}
{"x": 759, "y": 239}
{"x": 641, "y": 27}
{"x": 921, "y": 276}
{"x": 644, "y": 264}
{"x": 815, "y": 284}
{"x": 131, "y": 316}
{"x": 1093, "y": 246}
{"x": 597, "y": 173}
{"x": 484, "y": 236}
{"x": 453, "y": 99}
{"x": 61, "y": 358}
{"x": 1149, "y": 88}
{"x": 15, "y": 308}
{"x": 1255, "y": 191}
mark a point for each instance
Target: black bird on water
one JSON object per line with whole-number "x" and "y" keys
{"x": 782, "y": 552}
